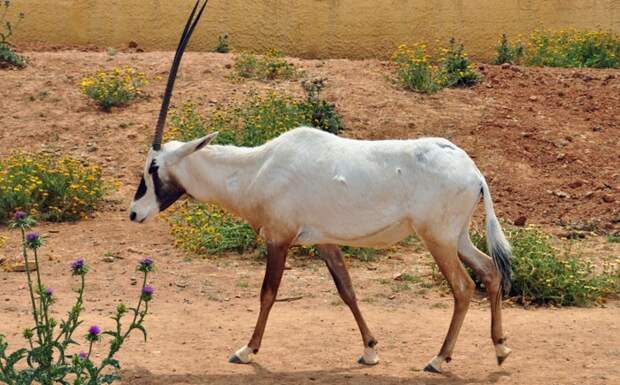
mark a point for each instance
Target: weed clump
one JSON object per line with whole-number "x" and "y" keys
{"x": 565, "y": 48}
{"x": 270, "y": 66}
{"x": 543, "y": 275}
{"x": 222, "y": 44}
{"x": 507, "y": 53}
{"x": 52, "y": 188}
{"x": 114, "y": 88}
{"x": 418, "y": 71}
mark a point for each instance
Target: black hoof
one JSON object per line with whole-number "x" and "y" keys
{"x": 234, "y": 359}
{"x": 500, "y": 360}
{"x": 430, "y": 368}
{"x": 362, "y": 361}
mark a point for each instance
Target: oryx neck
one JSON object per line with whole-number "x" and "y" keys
{"x": 221, "y": 174}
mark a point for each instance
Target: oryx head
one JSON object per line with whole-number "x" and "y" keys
{"x": 159, "y": 188}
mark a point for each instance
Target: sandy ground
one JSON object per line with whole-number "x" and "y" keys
{"x": 533, "y": 132}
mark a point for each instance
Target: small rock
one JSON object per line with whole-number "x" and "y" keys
{"x": 132, "y": 136}
{"x": 391, "y": 296}
{"x": 597, "y": 128}
{"x": 533, "y": 98}
{"x": 588, "y": 194}
{"x": 505, "y": 66}
{"x": 561, "y": 194}
{"x": 133, "y": 44}
{"x": 181, "y": 284}
{"x": 608, "y": 198}
{"x": 228, "y": 66}
{"x": 520, "y": 221}
{"x": 133, "y": 281}
{"x": 108, "y": 259}
{"x": 575, "y": 184}
{"x": 20, "y": 267}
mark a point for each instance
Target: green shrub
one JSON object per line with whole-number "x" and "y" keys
{"x": 414, "y": 69}
{"x": 52, "y": 356}
{"x": 50, "y": 187}
{"x": 222, "y": 44}
{"x": 417, "y": 71}
{"x": 114, "y": 88}
{"x": 572, "y": 48}
{"x": 542, "y": 275}
{"x": 260, "y": 118}
{"x": 456, "y": 70}
{"x": 269, "y": 66}
{"x": 320, "y": 112}
{"x": 506, "y": 53}
{"x": 207, "y": 229}
{"x": 8, "y": 57}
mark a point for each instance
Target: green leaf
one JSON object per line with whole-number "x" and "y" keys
{"x": 142, "y": 329}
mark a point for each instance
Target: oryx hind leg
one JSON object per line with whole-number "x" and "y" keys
{"x": 276, "y": 258}
{"x": 445, "y": 254}
{"x": 486, "y": 270}
{"x": 335, "y": 263}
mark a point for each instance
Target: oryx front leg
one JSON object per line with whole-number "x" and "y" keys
{"x": 337, "y": 268}
{"x": 462, "y": 289}
{"x": 276, "y": 257}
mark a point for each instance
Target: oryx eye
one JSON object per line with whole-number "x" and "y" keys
{"x": 153, "y": 167}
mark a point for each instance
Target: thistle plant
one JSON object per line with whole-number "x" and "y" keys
{"x": 47, "y": 360}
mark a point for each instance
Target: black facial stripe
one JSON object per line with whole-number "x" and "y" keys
{"x": 141, "y": 190}
{"x": 166, "y": 193}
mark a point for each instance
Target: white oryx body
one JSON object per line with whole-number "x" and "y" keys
{"x": 311, "y": 187}
{"x": 314, "y": 188}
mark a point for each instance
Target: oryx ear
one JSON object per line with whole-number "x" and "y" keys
{"x": 190, "y": 147}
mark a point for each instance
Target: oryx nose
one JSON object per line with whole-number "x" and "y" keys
{"x": 132, "y": 216}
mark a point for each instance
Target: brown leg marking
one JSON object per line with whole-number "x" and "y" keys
{"x": 484, "y": 267}
{"x": 462, "y": 289}
{"x": 335, "y": 263}
{"x": 276, "y": 257}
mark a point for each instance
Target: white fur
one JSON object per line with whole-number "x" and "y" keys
{"x": 502, "y": 350}
{"x": 313, "y": 187}
{"x": 244, "y": 354}
{"x": 436, "y": 363}
{"x": 370, "y": 356}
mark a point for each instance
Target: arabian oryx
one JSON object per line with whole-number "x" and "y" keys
{"x": 309, "y": 187}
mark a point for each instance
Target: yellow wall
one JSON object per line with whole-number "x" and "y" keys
{"x": 306, "y": 28}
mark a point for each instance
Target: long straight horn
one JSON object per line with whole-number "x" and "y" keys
{"x": 187, "y": 33}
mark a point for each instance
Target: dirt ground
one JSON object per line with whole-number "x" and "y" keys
{"x": 547, "y": 140}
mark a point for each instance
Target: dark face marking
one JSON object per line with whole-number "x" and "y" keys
{"x": 141, "y": 190}
{"x": 166, "y": 192}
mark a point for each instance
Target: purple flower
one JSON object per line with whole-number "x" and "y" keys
{"x": 146, "y": 265}
{"x": 20, "y": 215}
{"x": 147, "y": 293}
{"x": 148, "y": 290}
{"x": 94, "y": 331}
{"x": 33, "y": 240}
{"x": 32, "y": 237}
{"x": 78, "y": 267}
{"x": 146, "y": 262}
{"x": 83, "y": 355}
{"x": 49, "y": 292}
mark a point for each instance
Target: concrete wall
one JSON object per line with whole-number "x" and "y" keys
{"x": 306, "y": 28}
